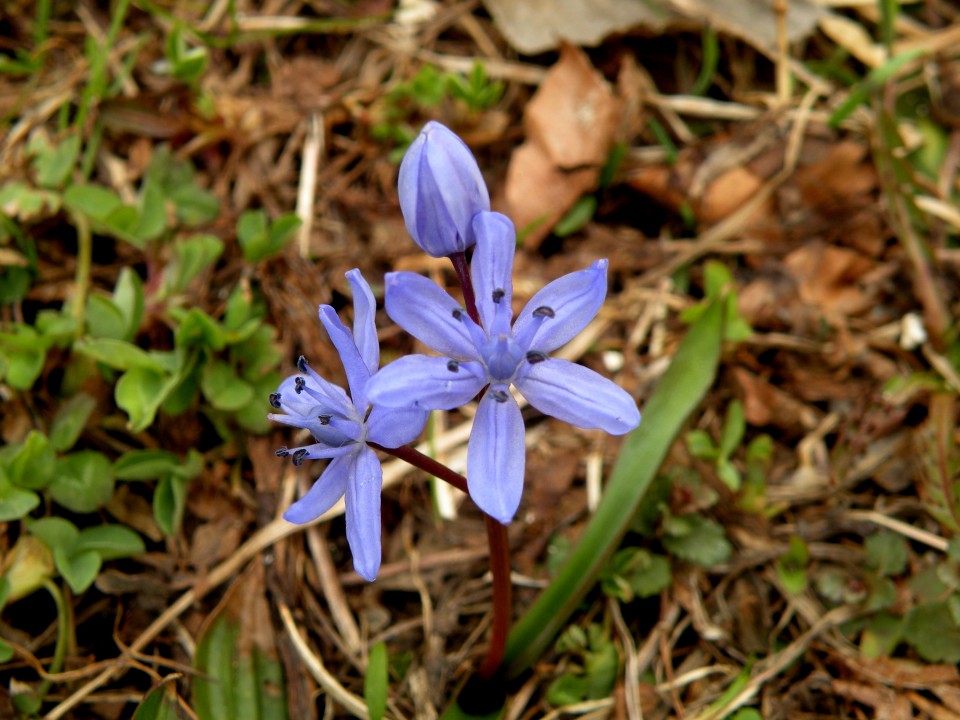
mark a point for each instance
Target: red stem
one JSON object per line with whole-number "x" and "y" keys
{"x": 500, "y": 568}
{"x": 460, "y": 267}
{"x": 427, "y": 464}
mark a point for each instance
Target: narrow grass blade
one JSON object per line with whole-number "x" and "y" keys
{"x": 683, "y": 386}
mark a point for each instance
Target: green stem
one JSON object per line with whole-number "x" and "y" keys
{"x": 63, "y": 636}
{"x": 84, "y": 263}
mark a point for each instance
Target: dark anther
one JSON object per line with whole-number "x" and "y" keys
{"x": 457, "y": 314}
{"x": 282, "y": 452}
{"x": 535, "y": 356}
{"x": 275, "y": 400}
{"x": 302, "y": 364}
{"x": 544, "y": 311}
{"x": 324, "y": 419}
{"x": 298, "y": 456}
{"x": 453, "y": 365}
{"x": 498, "y": 294}
{"x": 500, "y": 396}
{"x": 299, "y": 384}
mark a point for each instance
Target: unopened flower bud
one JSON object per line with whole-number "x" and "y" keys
{"x": 441, "y": 189}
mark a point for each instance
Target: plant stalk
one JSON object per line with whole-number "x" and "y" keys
{"x": 460, "y": 267}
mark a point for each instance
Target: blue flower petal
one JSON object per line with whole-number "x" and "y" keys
{"x": 426, "y": 311}
{"x": 324, "y": 433}
{"x": 492, "y": 267}
{"x": 353, "y": 364}
{"x": 426, "y": 383}
{"x": 574, "y": 299}
{"x": 578, "y": 395}
{"x": 333, "y": 398}
{"x": 328, "y": 488}
{"x": 364, "y": 483}
{"x": 496, "y": 455}
{"x": 392, "y": 427}
{"x": 364, "y": 321}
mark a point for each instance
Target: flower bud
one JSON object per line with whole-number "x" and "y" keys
{"x": 441, "y": 189}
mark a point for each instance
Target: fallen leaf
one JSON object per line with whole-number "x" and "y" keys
{"x": 828, "y": 278}
{"x": 534, "y": 26}
{"x": 764, "y": 404}
{"x": 570, "y": 123}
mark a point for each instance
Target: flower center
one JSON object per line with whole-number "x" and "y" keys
{"x": 502, "y": 356}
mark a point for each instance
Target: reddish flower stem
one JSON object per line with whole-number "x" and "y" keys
{"x": 425, "y": 463}
{"x": 500, "y": 568}
{"x": 460, "y": 267}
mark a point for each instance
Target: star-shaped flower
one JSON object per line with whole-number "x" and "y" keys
{"x": 342, "y": 426}
{"x": 497, "y": 355}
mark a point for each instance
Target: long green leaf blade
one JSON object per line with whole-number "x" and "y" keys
{"x": 680, "y": 391}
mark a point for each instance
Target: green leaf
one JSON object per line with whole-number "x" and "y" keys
{"x": 151, "y": 212}
{"x": 376, "y": 682}
{"x": 701, "y": 445}
{"x": 881, "y": 636}
{"x": 191, "y": 256}
{"x": 734, "y": 425}
{"x": 161, "y": 703}
{"x": 54, "y": 532}
{"x": 70, "y": 420}
{"x": 635, "y": 572}
{"x": 698, "y": 539}
{"x": 239, "y": 675}
{"x": 19, "y": 200}
{"x": 223, "y": 388}
{"x": 728, "y": 474}
{"x": 78, "y": 569}
{"x": 194, "y": 205}
{"x": 887, "y": 553}
{"x": 678, "y": 393}
{"x": 239, "y": 307}
{"x": 792, "y": 566}
{"x": 110, "y": 542}
{"x": 34, "y": 464}
{"x": 577, "y": 217}
{"x": 104, "y": 319}
{"x": 120, "y": 354}
{"x": 128, "y": 296}
{"x": 931, "y": 630}
{"x": 92, "y": 201}
{"x": 139, "y": 393}
{"x": 146, "y": 465}
{"x": 6, "y": 651}
{"x": 251, "y": 416}
{"x": 25, "y": 351}
{"x": 15, "y": 502}
{"x": 594, "y": 680}
{"x": 84, "y": 481}
{"x": 169, "y": 500}
{"x": 53, "y": 163}
{"x": 199, "y": 329}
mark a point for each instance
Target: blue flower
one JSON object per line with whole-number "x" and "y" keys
{"x": 441, "y": 189}
{"x": 342, "y": 426}
{"x": 497, "y": 355}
